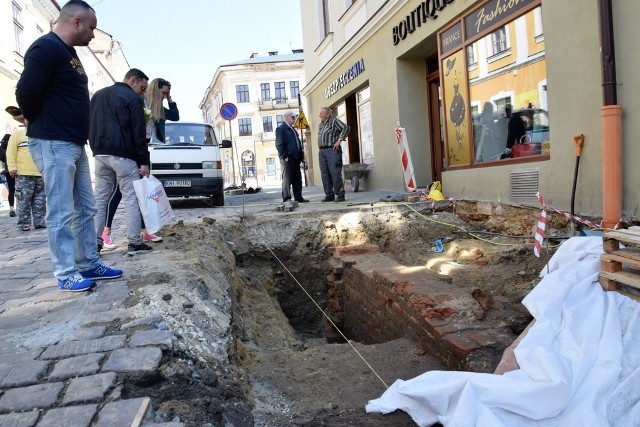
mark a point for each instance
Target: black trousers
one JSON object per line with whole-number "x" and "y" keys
{"x": 291, "y": 177}
{"x": 11, "y": 187}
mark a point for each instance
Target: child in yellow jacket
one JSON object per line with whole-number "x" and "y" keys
{"x": 30, "y": 195}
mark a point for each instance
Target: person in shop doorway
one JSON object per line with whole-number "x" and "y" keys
{"x": 515, "y": 128}
{"x": 291, "y": 155}
{"x": 331, "y": 133}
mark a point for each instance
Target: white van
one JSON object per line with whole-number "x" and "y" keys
{"x": 188, "y": 161}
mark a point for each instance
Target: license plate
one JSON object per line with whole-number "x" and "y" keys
{"x": 177, "y": 183}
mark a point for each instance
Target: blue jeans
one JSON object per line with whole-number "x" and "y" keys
{"x": 71, "y": 205}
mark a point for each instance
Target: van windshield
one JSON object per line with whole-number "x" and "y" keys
{"x": 189, "y": 134}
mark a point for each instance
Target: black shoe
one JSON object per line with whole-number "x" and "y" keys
{"x": 99, "y": 249}
{"x": 302, "y": 200}
{"x": 329, "y": 199}
{"x": 12, "y": 213}
{"x": 340, "y": 199}
{"x": 138, "y": 249}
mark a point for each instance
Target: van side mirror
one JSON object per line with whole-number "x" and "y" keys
{"x": 225, "y": 143}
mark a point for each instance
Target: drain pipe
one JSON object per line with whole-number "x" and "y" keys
{"x": 611, "y": 122}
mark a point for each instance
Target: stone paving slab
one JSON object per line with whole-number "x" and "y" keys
{"x": 89, "y": 333}
{"x": 145, "y": 359}
{"x": 172, "y": 424}
{"x": 23, "y": 374}
{"x": 16, "y": 321}
{"x": 89, "y": 389}
{"x": 157, "y": 321}
{"x": 76, "y": 416}
{"x": 123, "y": 412}
{"x": 113, "y": 292}
{"x": 162, "y": 339}
{"x": 24, "y": 419}
{"x": 41, "y": 396}
{"x": 78, "y": 366}
{"x": 109, "y": 316}
{"x": 20, "y": 357}
{"x": 76, "y": 348}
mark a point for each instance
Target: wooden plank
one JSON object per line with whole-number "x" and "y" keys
{"x": 613, "y": 257}
{"x": 628, "y": 252}
{"x": 623, "y": 236}
{"x": 624, "y": 276}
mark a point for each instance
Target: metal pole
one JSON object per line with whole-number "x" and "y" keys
{"x": 255, "y": 161}
{"x": 233, "y": 166}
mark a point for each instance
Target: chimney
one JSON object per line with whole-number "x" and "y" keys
{"x": 254, "y": 54}
{"x": 273, "y": 53}
{"x": 297, "y": 51}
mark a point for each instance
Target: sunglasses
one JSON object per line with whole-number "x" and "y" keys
{"x": 163, "y": 82}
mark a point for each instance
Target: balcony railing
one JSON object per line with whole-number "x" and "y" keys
{"x": 277, "y": 103}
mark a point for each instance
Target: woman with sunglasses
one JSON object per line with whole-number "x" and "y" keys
{"x": 157, "y": 91}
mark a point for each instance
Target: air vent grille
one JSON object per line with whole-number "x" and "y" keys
{"x": 524, "y": 184}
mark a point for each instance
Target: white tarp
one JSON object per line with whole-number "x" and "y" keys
{"x": 579, "y": 363}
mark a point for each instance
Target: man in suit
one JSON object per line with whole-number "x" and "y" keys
{"x": 291, "y": 155}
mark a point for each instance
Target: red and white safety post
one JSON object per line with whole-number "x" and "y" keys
{"x": 405, "y": 158}
{"x": 540, "y": 229}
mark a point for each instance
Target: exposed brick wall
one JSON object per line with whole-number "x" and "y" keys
{"x": 373, "y": 299}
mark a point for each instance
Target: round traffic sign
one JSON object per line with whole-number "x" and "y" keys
{"x": 228, "y": 111}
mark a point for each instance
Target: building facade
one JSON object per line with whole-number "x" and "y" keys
{"x": 262, "y": 88}
{"x": 446, "y": 69}
{"x": 23, "y": 21}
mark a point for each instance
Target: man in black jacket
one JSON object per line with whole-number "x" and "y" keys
{"x": 291, "y": 155}
{"x": 117, "y": 137}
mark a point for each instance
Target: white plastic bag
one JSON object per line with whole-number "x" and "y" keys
{"x": 154, "y": 203}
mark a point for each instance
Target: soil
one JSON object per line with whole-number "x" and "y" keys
{"x": 249, "y": 348}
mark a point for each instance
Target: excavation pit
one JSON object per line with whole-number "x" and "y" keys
{"x": 407, "y": 309}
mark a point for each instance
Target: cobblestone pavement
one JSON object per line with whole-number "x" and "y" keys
{"x": 59, "y": 361}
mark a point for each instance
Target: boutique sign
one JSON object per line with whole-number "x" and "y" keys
{"x": 350, "y": 74}
{"x": 426, "y": 10}
{"x": 491, "y": 13}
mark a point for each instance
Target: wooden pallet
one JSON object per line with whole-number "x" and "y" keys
{"x": 621, "y": 265}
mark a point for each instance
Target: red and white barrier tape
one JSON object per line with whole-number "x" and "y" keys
{"x": 542, "y": 223}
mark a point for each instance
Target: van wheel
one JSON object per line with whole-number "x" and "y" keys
{"x": 218, "y": 200}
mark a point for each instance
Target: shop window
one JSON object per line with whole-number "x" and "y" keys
{"x": 245, "y": 126}
{"x": 496, "y": 111}
{"x": 363, "y": 99}
{"x": 242, "y": 93}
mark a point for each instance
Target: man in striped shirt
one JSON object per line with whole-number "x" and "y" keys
{"x": 330, "y": 134}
